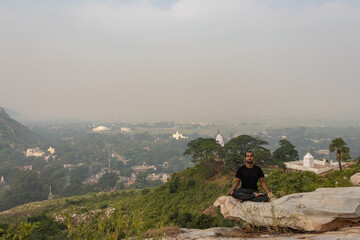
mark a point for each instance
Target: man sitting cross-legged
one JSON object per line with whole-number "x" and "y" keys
{"x": 249, "y": 174}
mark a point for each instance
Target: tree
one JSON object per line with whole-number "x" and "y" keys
{"x": 286, "y": 152}
{"x": 108, "y": 180}
{"x": 204, "y": 150}
{"x": 236, "y": 148}
{"x": 342, "y": 151}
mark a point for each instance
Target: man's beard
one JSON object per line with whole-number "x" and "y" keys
{"x": 251, "y": 161}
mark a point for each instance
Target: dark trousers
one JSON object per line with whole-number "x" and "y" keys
{"x": 247, "y": 194}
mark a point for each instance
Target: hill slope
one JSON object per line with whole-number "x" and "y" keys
{"x": 185, "y": 201}
{"x": 14, "y": 133}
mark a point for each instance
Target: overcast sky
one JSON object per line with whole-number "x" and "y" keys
{"x": 180, "y": 60}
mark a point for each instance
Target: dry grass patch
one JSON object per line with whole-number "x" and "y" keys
{"x": 163, "y": 232}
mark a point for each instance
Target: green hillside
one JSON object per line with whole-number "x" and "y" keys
{"x": 14, "y": 133}
{"x": 184, "y": 201}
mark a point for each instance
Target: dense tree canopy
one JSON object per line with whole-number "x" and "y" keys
{"x": 286, "y": 152}
{"x": 207, "y": 150}
{"x": 204, "y": 150}
{"x": 236, "y": 148}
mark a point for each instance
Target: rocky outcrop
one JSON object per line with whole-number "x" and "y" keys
{"x": 322, "y": 210}
{"x": 236, "y": 233}
{"x": 355, "y": 179}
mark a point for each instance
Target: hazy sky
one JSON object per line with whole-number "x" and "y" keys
{"x": 180, "y": 60}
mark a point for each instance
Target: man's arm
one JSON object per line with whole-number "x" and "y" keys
{"x": 235, "y": 185}
{"x": 264, "y": 186}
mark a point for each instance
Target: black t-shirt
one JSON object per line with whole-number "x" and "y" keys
{"x": 249, "y": 176}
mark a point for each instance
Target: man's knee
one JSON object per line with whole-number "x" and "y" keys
{"x": 262, "y": 198}
{"x": 243, "y": 194}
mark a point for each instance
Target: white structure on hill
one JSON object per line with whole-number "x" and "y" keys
{"x": 100, "y": 129}
{"x": 219, "y": 139}
{"x": 178, "y": 135}
{"x": 51, "y": 150}
{"x": 50, "y": 196}
{"x": 143, "y": 168}
{"x": 164, "y": 177}
{"x": 125, "y": 129}
{"x": 308, "y": 160}
{"x": 34, "y": 152}
{"x": 310, "y": 164}
{"x": 2, "y": 180}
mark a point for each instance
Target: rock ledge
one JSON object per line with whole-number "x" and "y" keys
{"x": 322, "y": 210}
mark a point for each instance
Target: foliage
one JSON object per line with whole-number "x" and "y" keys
{"x": 19, "y": 232}
{"x": 283, "y": 183}
{"x": 12, "y": 132}
{"x": 136, "y": 211}
{"x": 74, "y": 146}
{"x": 117, "y": 226}
{"x": 204, "y": 150}
{"x": 180, "y": 202}
{"x": 24, "y": 186}
{"x": 236, "y": 148}
{"x": 342, "y": 151}
{"x": 47, "y": 228}
{"x": 286, "y": 152}
{"x": 107, "y": 181}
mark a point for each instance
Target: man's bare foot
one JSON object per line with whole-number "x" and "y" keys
{"x": 239, "y": 200}
{"x": 259, "y": 194}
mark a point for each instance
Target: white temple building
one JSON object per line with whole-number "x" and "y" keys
{"x": 178, "y": 135}
{"x": 310, "y": 164}
{"x": 219, "y": 139}
{"x": 308, "y": 161}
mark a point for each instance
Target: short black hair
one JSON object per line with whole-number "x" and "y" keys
{"x": 249, "y": 152}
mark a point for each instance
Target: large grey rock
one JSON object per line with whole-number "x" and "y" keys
{"x": 322, "y": 210}
{"x": 349, "y": 233}
{"x": 355, "y": 179}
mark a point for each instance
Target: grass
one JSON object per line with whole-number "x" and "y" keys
{"x": 185, "y": 201}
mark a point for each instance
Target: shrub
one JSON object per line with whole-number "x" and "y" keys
{"x": 204, "y": 221}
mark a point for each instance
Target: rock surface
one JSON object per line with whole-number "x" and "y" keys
{"x": 322, "y": 210}
{"x": 349, "y": 233}
{"x": 355, "y": 179}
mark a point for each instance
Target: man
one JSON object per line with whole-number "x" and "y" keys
{"x": 249, "y": 174}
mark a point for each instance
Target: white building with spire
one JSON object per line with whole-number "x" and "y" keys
{"x": 2, "y": 180}
{"x": 219, "y": 139}
{"x": 310, "y": 164}
{"x": 308, "y": 161}
{"x": 50, "y": 196}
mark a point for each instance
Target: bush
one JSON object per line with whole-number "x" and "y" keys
{"x": 174, "y": 184}
{"x": 145, "y": 191}
{"x": 204, "y": 221}
{"x": 190, "y": 183}
{"x": 184, "y": 220}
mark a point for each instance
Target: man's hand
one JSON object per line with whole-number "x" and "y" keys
{"x": 270, "y": 195}
{"x": 231, "y": 192}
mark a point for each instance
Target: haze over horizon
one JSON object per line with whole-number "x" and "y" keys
{"x": 152, "y": 60}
